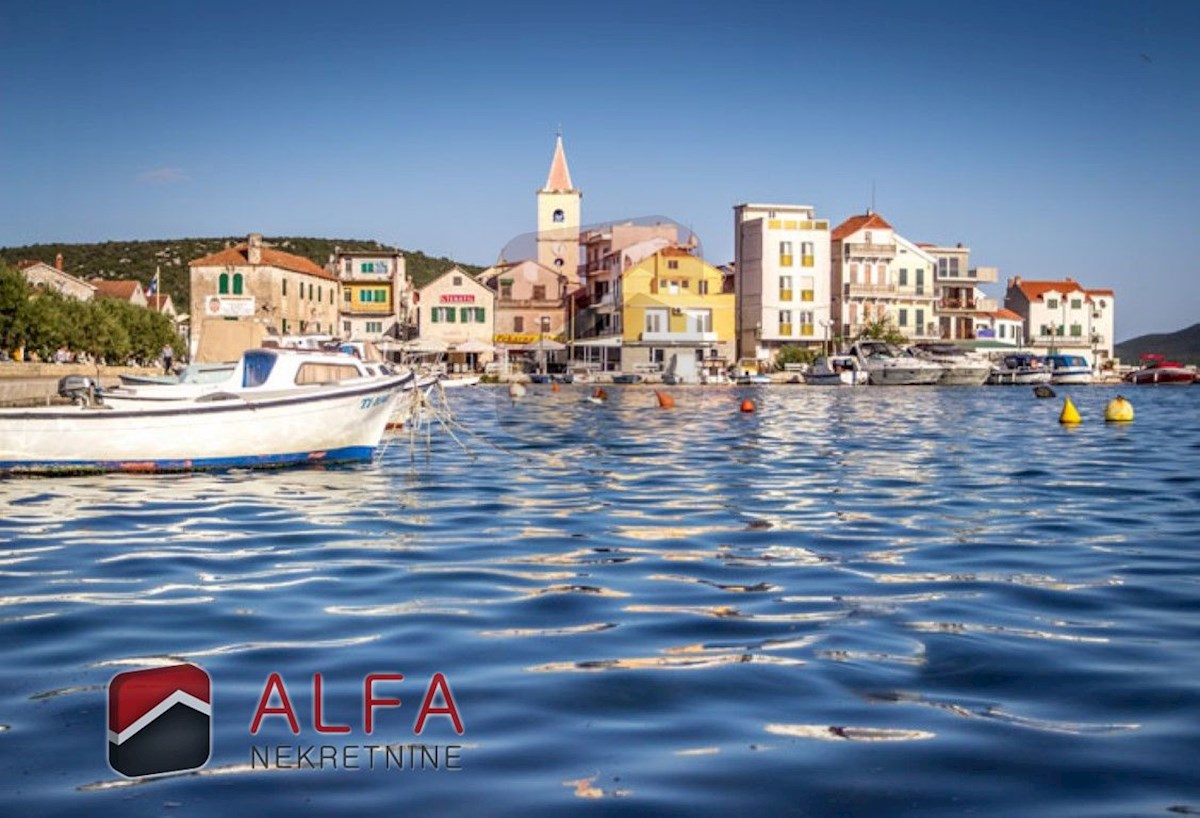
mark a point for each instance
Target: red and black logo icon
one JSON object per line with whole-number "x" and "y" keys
{"x": 159, "y": 720}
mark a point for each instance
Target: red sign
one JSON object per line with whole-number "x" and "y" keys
{"x": 457, "y": 298}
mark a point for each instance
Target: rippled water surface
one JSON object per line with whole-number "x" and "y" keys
{"x": 852, "y": 601}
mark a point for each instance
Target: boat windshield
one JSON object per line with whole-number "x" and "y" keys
{"x": 257, "y": 365}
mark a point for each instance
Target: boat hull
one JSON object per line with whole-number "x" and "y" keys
{"x": 313, "y": 425}
{"x": 1163, "y": 375}
{"x": 904, "y": 375}
{"x": 964, "y": 374}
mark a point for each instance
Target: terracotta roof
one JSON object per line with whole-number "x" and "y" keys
{"x": 123, "y": 289}
{"x": 1109, "y": 293}
{"x": 1034, "y": 290}
{"x": 856, "y": 223}
{"x": 1007, "y": 314}
{"x": 236, "y": 257}
{"x": 560, "y": 176}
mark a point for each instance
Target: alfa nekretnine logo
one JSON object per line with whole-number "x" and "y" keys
{"x": 159, "y": 720}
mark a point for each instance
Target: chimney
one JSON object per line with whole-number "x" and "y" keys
{"x": 254, "y": 248}
{"x": 58, "y": 262}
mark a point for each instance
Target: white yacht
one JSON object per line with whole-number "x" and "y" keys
{"x": 837, "y": 370}
{"x": 959, "y": 366}
{"x": 889, "y": 366}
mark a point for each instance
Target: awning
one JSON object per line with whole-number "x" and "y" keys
{"x": 425, "y": 345}
{"x": 473, "y": 345}
{"x": 545, "y": 345}
{"x": 612, "y": 342}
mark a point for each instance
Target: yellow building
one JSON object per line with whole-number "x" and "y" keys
{"x": 668, "y": 315}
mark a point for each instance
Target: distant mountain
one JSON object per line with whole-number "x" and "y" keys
{"x": 138, "y": 259}
{"x": 1182, "y": 346}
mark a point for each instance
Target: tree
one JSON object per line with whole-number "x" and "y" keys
{"x": 14, "y": 307}
{"x": 882, "y": 330}
{"x": 794, "y": 355}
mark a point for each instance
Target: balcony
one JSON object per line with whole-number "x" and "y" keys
{"x": 867, "y": 290}
{"x": 865, "y": 250}
{"x": 688, "y": 337}
{"x": 807, "y": 330}
{"x": 1081, "y": 341}
{"x": 785, "y": 295}
{"x": 785, "y": 330}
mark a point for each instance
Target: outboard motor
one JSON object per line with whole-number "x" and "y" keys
{"x": 80, "y": 389}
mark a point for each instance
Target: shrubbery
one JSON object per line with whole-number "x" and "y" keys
{"x": 42, "y": 321}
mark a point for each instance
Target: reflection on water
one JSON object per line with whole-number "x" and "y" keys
{"x": 888, "y": 590}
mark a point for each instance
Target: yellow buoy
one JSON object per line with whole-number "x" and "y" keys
{"x": 1118, "y": 410}
{"x": 1069, "y": 413}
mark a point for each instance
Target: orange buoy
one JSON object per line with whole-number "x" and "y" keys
{"x": 665, "y": 401}
{"x": 599, "y": 394}
{"x": 747, "y": 405}
{"x": 554, "y": 386}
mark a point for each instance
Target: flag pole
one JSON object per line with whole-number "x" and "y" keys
{"x": 157, "y": 288}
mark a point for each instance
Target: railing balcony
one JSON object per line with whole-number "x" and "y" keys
{"x": 806, "y": 295}
{"x": 1067, "y": 340}
{"x": 785, "y": 330}
{"x": 785, "y": 261}
{"x": 865, "y": 250}
{"x": 785, "y": 295}
{"x": 687, "y": 337}
{"x": 807, "y": 329}
{"x": 859, "y": 290}
{"x": 807, "y": 261}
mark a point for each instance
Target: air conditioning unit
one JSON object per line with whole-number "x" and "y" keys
{"x": 676, "y": 310}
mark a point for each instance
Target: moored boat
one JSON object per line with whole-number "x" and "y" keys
{"x": 889, "y": 366}
{"x": 1019, "y": 369}
{"x": 959, "y": 366}
{"x": 837, "y": 370}
{"x": 1156, "y": 369}
{"x": 1068, "y": 369}
{"x": 305, "y": 415}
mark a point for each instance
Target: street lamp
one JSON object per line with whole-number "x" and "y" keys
{"x": 542, "y": 342}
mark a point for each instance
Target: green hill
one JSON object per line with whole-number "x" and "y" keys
{"x": 1182, "y": 346}
{"x": 138, "y": 259}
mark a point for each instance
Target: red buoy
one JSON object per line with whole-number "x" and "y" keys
{"x": 747, "y": 405}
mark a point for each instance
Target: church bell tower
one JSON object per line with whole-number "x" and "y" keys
{"x": 558, "y": 206}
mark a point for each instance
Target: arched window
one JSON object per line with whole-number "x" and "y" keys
{"x": 237, "y": 283}
{"x": 223, "y": 284}
{"x": 559, "y": 216}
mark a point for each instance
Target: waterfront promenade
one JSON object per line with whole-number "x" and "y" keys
{"x": 24, "y": 382}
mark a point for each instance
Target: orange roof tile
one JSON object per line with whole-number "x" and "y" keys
{"x": 856, "y": 223}
{"x": 1007, "y": 314}
{"x": 122, "y": 289}
{"x": 236, "y": 257}
{"x": 1034, "y": 290}
{"x": 560, "y": 175}
{"x": 1109, "y": 293}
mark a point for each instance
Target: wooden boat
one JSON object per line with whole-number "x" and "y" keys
{"x": 837, "y": 370}
{"x": 288, "y": 408}
{"x": 1157, "y": 369}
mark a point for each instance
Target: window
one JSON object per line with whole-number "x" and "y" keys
{"x": 435, "y": 315}
{"x": 346, "y": 296}
{"x": 284, "y": 282}
{"x": 903, "y": 276}
{"x": 539, "y": 292}
{"x": 310, "y": 291}
{"x": 1051, "y": 303}
{"x": 367, "y": 267}
{"x": 283, "y": 328}
{"x": 479, "y": 315}
{"x": 320, "y": 293}
{"x": 702, "y": 287}
{"x": 1076, "y": 303}
{"x": 806, "y": 254}
{"x": 785, "y": 322}
{"x": 381, "y": 296}
{"x": 458, "y": 281}
{"x": 920, "y": 282}
{"x": 1076, "y": 331}
{"x": 346, "y": 327}
{"x": 656, "y": 321}
{"x": 506, "y": 288}
{"x": 223, "y": 284}
{"x": 348, "y": 267}
{"x": 903, "y": 318}
{"x": 518, "y": 323}
{"x": 448, "y": 314}
{"x": 785, "y": 254}
{"x": 920, "y": 320}
{"x": 1001, "y": 329}
{"x": 785, "y": 288}
{"x": 559, "y": 216}
{"x": 867, "y": 236}
{"x": 807, "y": 324}
{"x": 672, "y": 264}
{"x": 374, "y": 327}
{"x": 466, "y": 315}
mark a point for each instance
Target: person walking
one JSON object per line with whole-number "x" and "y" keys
{"x": 168, "y": 356}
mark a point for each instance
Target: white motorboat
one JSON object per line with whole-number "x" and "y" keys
{"x": 837, "y": 370}
{"x": 959, "y": 366}
{"x": 1068, "y": 369}
{"x": 889, "y": 366}
{"x": 1019, "y": 369}
{"x": 288, "y": 408}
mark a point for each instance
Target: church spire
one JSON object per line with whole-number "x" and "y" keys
{"x": 560, "y": 176}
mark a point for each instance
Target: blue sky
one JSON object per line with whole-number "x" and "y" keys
{"x": 1053, "y": 138}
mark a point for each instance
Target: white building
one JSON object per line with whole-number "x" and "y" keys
{"x": 1064, "y": 316}
{"x": 782, "y": 278}
{"x": 376, "y": 295}
{"x": 959, "y": 299}
{"x": 999, "y": 327}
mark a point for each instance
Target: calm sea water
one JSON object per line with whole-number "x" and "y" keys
{"x": 851, "y": 602}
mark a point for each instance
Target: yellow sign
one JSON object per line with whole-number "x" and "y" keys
{"x": 525, "y": 337}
